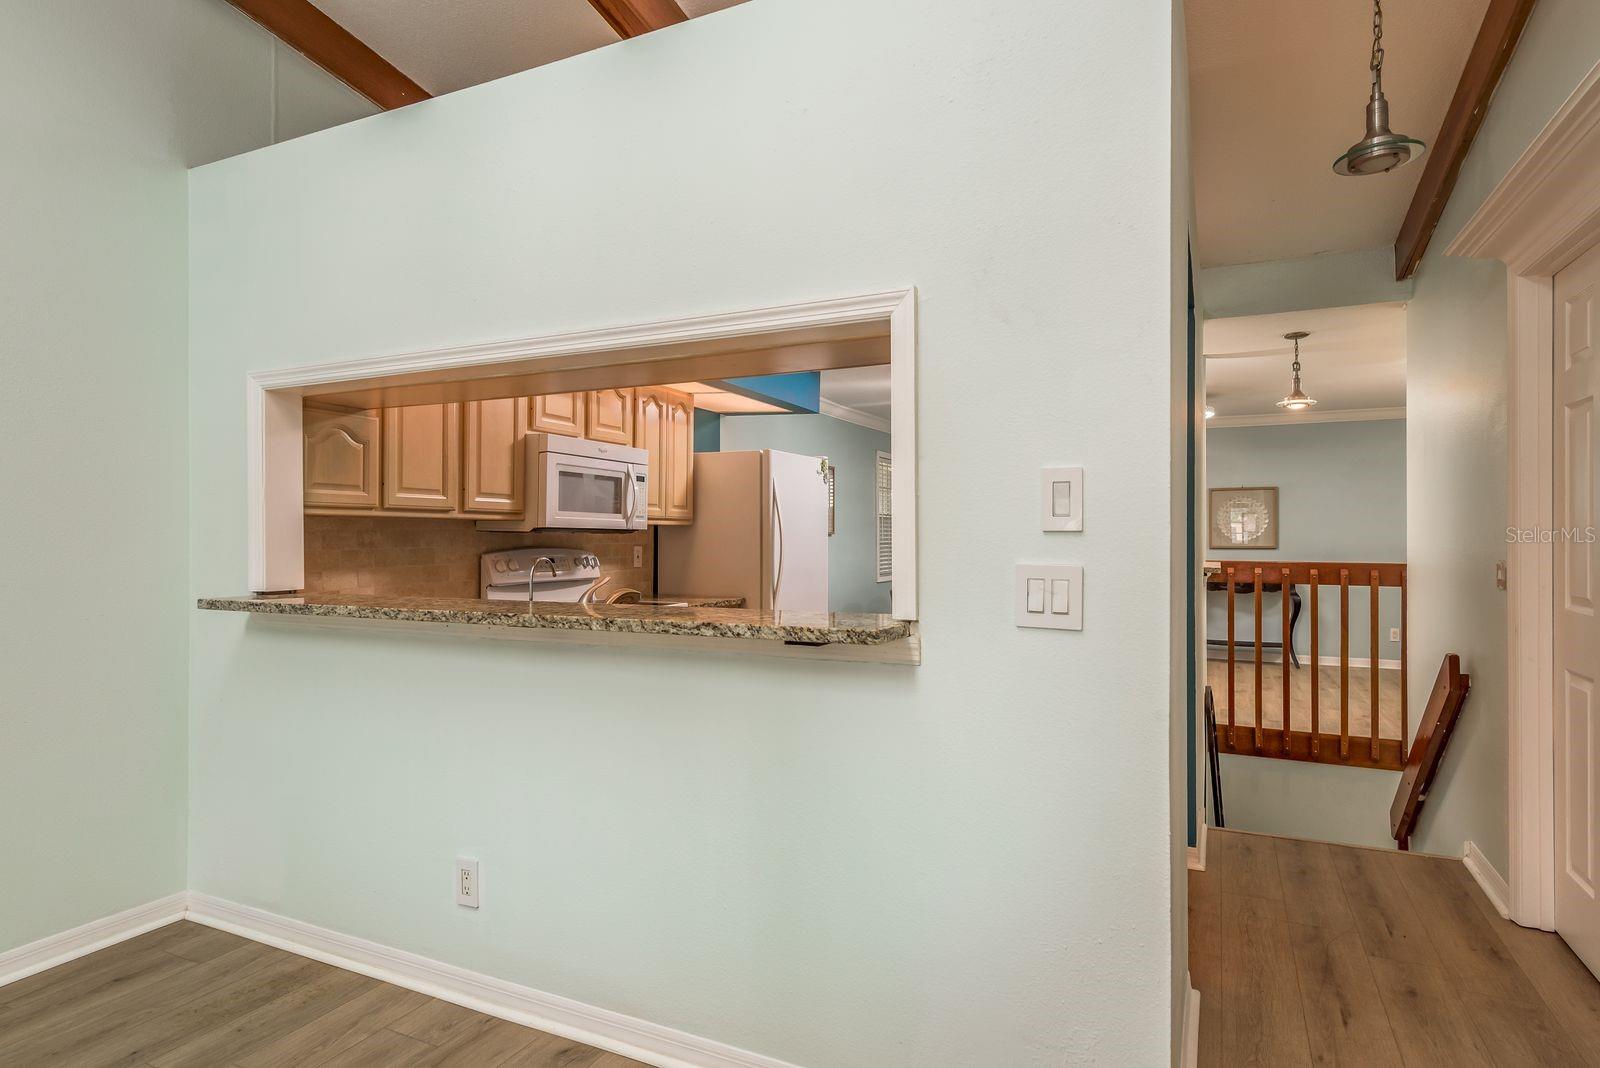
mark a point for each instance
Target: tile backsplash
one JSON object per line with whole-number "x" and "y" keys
{"x": 400, "y": 557}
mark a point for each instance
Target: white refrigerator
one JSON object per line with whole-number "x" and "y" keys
{"x": 760, "y": 532}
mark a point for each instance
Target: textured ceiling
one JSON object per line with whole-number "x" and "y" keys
{"x": 445, "y": 45}
{"x": 1278, "y": 90}
{"x": 1355, "y": 358}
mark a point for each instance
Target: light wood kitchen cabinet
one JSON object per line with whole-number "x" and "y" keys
{"x": 422, "y": 458}
{"x": 492, "y": 433}
{"x": 341, "y": 460}
{"x": 663, "y": 425}
{"x": 680, "y": 459}
{"x": 558, "y": 413}
{"x": 609, "y": 413}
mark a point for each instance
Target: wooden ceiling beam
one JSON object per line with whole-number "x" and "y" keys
{"x": 630, "y": 18}
{"x": 303, "y": 27}
{"x": 1491, "y": 52}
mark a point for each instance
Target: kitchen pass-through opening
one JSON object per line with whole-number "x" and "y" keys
{"x": 757, "y": 460}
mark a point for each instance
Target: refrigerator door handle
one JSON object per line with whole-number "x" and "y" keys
{"x": 777, "y": 545}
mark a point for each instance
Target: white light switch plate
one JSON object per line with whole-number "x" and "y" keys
{"x": 1061, "y": 505}
{"x": 1056, "y": 601}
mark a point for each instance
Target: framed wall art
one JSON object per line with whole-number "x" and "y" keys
{"x": 1244, "y": 517}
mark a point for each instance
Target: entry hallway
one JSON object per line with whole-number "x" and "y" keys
{"x": 1310, "y": 953}
{"x": 191, "y": 995}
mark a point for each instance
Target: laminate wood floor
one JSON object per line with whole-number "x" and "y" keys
{"x": 1307, "y": 953}
{"x": 191, "y": 995}
{"x": 1244, "y": 697}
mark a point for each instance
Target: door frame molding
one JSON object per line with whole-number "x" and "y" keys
{"x": 1543, "y": 215}
{"x": 273, "y": 402}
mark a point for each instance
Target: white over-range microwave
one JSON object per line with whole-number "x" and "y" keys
{"x": 576, "y": 484}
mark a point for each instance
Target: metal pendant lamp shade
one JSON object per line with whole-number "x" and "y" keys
{"x": 1381, "y": 150}
{"x": 1296, "y": 401}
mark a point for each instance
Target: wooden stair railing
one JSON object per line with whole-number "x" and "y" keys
{"x": 1450, "y": 691}
{"x": 1280, "y": 578}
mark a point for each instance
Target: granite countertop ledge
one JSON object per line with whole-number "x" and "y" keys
{"x": 702, "y": 617}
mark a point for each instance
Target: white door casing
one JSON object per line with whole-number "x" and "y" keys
{"x": 1542, "y": 217}
{"x": 1577, "y": 627}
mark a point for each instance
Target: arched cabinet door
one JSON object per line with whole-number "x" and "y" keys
{"x": 341, "y": 459}
{"x": 678, "y": 494}
{"x": 663, "y": 425}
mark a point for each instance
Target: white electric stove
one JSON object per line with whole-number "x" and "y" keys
{"x": 566, "y": 576}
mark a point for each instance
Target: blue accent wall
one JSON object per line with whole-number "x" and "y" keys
{"x": 798, "y": 392}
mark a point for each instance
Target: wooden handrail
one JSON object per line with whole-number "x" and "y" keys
{"x": 1450, "y": 691}
{"x": 1284, "y": 577}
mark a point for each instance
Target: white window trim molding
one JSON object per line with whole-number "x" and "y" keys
{"x": 274, "y": 461}
{"x": 1543, "y": 215}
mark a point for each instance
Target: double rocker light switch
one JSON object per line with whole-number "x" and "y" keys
{"x": 1050, "y": 596}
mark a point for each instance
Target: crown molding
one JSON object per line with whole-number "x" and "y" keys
{"x": 1348, "y": 415}
{"x": 1546, "y": 210}
{"x": 852, "y": 415}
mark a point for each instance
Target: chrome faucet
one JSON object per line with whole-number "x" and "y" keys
{"x": 533, "y": 570}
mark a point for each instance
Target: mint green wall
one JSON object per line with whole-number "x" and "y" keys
{"x": 1341, "y": 496}
{"x": 108, "y": 104}
{"x": 853, "y": 450}
{"x": 1456, "y": 401}
{"x": 834, "y": 864}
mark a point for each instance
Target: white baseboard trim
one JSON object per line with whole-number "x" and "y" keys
{"x": 1197, "y": 852}
{"x": 95, "y": 935}
{"x": 589, "y": 1024}
{"x": 1190, "y": 1056}
{"x": 1492, "y": 882}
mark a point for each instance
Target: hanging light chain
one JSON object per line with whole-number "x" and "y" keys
{"x": 1377, "y": 41}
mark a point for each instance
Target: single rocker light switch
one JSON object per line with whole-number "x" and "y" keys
{"x": 1061, "y": 596}
{"x": 1036, "y": 595}
{"x": 1062, "y": 506}
{"x": 1050, "y": 596}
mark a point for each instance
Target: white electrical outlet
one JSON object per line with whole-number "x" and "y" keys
{"x": 1394, "y": 634}
{"x": 467, "y": 882}
{"x": 638, "y": 556}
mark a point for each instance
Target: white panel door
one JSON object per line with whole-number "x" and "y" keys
{"x": 1577, "y": 569}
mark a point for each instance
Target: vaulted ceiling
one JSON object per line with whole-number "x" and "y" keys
{"x": 1277, "y": 92}
{"x": 445, "y": 45}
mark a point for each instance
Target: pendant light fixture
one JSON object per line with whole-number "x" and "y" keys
{"x": 1380, "y": 150}
{"x": 1296, "y": 401}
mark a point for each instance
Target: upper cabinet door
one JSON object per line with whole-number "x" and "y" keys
{"x": 610, "y": 416}
{"x": 422, "y": 458}
{"x": 558, "y": 413}
{"x": 663, "y": 425}
{"x": 492, "y": 455}
{"x": 341, "y": 459}
{"x": 650, "y": 434}
{"x": 679, "y": 490}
